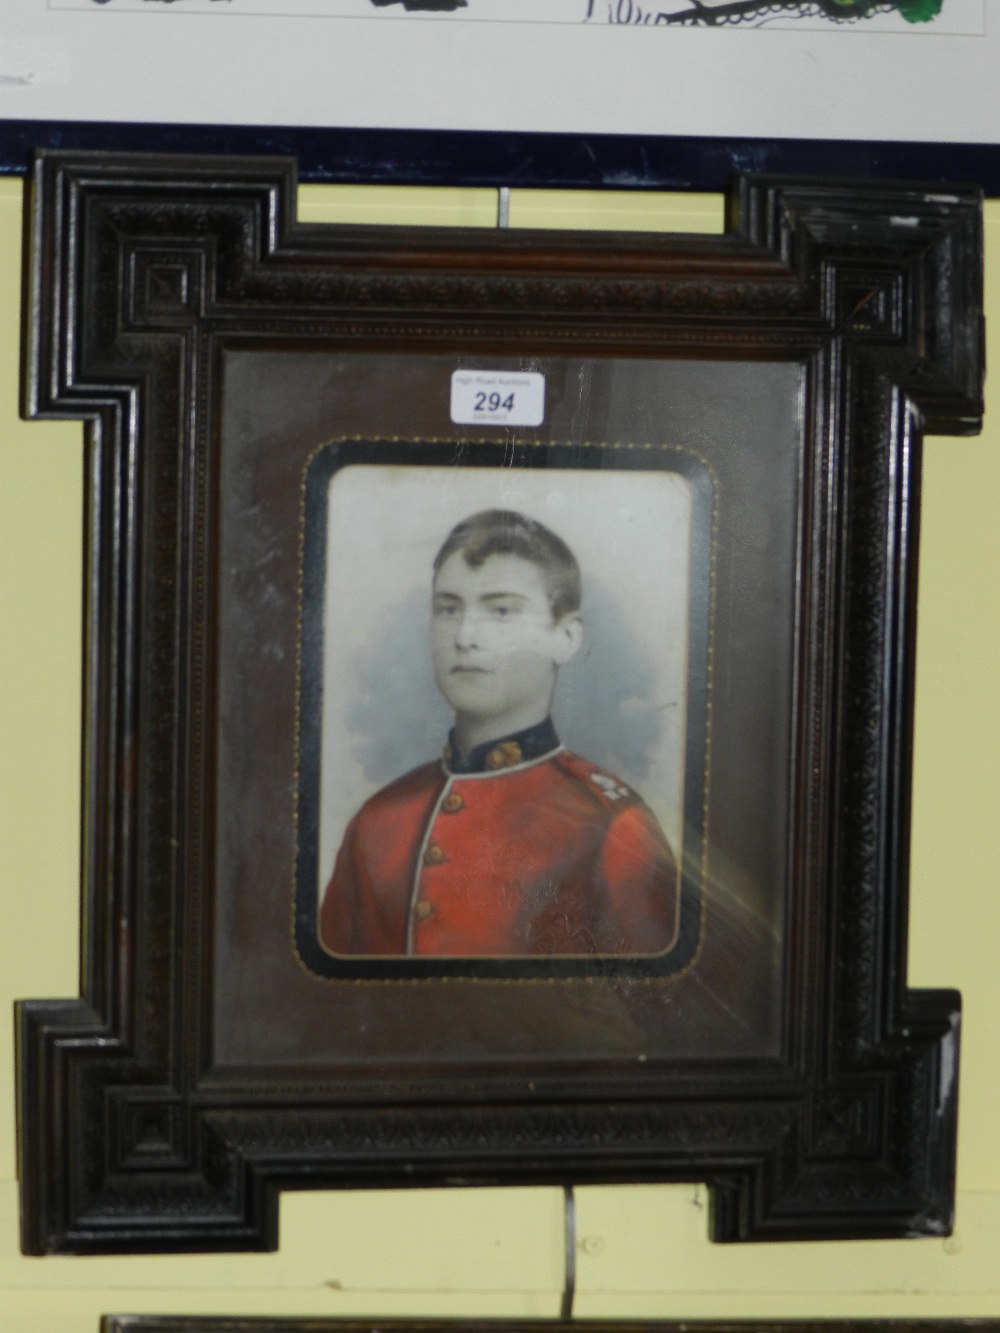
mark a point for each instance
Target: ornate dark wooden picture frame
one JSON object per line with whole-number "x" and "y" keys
{"x": 215, "y": 348}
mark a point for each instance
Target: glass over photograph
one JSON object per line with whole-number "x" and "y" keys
{"x": 503, "y": 708}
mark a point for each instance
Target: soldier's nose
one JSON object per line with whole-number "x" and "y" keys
{"x": 465, "y": 634}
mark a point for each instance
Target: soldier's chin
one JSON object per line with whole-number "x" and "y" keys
{"x": 470, "y": 694}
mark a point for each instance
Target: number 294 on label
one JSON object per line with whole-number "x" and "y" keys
{"x": 497, "y": 397}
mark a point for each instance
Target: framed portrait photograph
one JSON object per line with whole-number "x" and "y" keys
{"x": 444, "y": 617}
{"x": 497, "y": 708}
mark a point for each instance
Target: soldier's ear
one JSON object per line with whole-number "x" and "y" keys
{"x": 568, "y": 631}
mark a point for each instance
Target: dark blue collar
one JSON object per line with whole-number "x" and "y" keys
{"x": 520, "y": 747}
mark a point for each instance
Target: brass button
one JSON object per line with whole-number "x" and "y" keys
{"x": 433, "y": 855}
{"x": 422, "y": 910}
{"x": 452, "y": 803}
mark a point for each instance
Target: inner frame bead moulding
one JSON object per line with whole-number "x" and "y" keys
{"x": 363, "y": 506}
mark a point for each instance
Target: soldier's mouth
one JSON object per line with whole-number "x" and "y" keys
{"x": 469, "y": 671}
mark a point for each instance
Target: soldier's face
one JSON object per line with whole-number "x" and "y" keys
{"x": 496, "y": 647}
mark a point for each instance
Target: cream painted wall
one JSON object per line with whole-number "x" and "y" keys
{"x": 643, "y": 1251}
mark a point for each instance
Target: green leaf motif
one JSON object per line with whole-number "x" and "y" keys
{"x": 920, "y": 11}
{"x": 914, "y": 11}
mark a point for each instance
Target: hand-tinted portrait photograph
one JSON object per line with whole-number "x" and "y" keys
{"x": 494, "y": 719}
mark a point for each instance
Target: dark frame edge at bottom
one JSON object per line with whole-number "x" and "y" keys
{"x": 478, "y": 1324}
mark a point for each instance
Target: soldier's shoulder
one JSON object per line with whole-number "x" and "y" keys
{"x": 607, "y": 790}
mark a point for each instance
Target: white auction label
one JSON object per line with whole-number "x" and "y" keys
{"x": 497, "y": 398}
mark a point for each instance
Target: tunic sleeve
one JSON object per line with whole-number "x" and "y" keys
{"x": 639, "y": 883}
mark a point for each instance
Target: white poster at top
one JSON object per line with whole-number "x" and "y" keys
{"x": 912, "y": 70}
{"x": 913, "y": 16}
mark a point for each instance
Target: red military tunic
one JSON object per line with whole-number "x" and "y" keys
{"x": 545, "y": 856}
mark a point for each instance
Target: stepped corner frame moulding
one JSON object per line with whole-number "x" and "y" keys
{"x": 318, "y": 954}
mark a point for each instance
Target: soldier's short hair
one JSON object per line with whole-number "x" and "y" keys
{"x": 506, "y": 532}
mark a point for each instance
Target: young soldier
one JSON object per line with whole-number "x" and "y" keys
{"x": 510, "y": 845}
